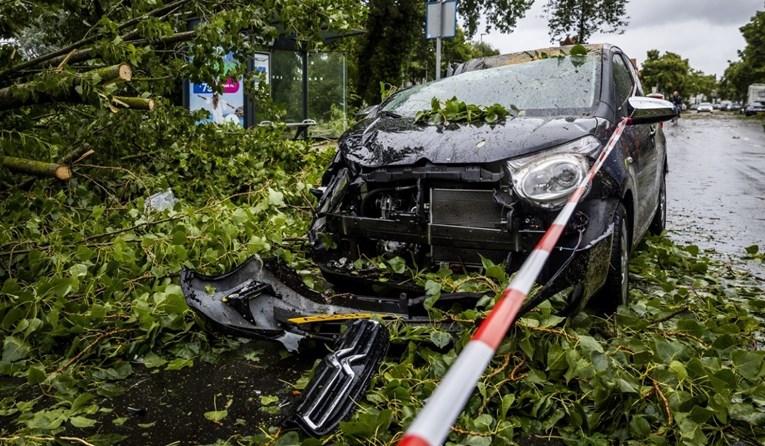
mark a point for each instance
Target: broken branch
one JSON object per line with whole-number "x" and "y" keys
{"x": 134, "y": 103}
{"x": 37, "y": 168}
{"x": 36, "y": 92}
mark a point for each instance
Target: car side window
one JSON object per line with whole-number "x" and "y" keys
{"x": 623, "y": 83}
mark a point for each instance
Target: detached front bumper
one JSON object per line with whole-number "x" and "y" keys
{"x": 272, "y": 303}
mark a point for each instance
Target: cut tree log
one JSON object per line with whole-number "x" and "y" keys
{"x": 65, "y": 89}
{"x": 134, "y": 103}
{"x": 110, "y": 75}
{"x": 37, "y": 168}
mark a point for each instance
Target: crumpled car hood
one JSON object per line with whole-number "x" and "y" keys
{"x": 390, "y": 141}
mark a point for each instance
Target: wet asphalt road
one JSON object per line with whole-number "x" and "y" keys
{"x": 716, "y": 182}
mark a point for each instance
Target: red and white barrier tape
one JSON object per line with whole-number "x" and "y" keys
{"x": 432, "y": 424}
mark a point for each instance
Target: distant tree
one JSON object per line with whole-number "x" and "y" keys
{"x": 500, "y": 14}
{"x": 733, "y": 85}
{"x": 750, "y": 68}
{"x": 583, "y": 18}
{"x": 667, "y": 73}
{"x": 753, "y": 54}
{"x": 393, "y": 29}
{"x": 700, "y": 83}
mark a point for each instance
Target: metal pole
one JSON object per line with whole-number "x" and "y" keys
{"x": 438, "y": 57}
{"x": 345, "y": 87}
{"x": 305, "y": 84}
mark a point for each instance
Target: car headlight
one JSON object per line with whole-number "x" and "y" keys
{"x": 546, "y": 179}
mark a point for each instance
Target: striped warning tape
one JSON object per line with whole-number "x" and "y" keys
{"x": 432, "y": 424}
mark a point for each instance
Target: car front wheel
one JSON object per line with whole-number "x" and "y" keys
{"x": 615, "y": 290}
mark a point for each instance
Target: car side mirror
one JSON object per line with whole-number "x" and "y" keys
{"x": 643, "y": 110}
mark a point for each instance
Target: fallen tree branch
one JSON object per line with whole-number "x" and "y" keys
{"x": 664, "y": 400}
{"x": 89, "y": 346}
{"x": 37, "y": 168}
{"x": 55, "y": 57}
{"x": 133, "y": 103}
{"x": 670, "y": 315}
{"x": 36, "y": 92}
{"x": 88, "y": 53}
{"x": 76, "y": 155}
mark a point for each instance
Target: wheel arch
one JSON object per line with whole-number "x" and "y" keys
{"x": 629, "y": 205}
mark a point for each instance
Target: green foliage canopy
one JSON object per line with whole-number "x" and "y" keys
{"x": 668, "y": 72}
{"x": 582, "y": 18}
{"x": 750, "y": 68}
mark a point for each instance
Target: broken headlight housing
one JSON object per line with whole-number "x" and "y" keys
{"x": 547, "y": 178}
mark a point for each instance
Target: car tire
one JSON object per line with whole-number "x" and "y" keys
{"x": 659, "y": 222}
{"x": 615, "y": 290}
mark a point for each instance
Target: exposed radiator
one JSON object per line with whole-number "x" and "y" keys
{"x": 466, "y": 208}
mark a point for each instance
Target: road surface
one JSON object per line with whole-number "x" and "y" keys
{"x": 716, "y": 182}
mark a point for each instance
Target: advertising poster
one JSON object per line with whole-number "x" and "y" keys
{"x": 227, "y": 107}
{"x": 260, "y": 65}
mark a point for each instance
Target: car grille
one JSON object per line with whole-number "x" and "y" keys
{"x": 464, "y": 208}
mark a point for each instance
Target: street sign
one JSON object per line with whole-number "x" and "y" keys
{"x": 440, "y": 23}
{"x": 441, "y": 19}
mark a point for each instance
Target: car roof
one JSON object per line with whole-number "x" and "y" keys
{"x": 481, "y": 63}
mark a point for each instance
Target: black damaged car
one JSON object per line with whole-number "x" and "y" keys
{"x": 449, "y": 195}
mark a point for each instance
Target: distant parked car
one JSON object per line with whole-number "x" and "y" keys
{"x": 705, "y": 107}
{"x": 733, "y": 106}
{"x": 754, "y": 108}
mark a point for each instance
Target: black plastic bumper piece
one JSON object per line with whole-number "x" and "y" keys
{"x": 341, "y": 378}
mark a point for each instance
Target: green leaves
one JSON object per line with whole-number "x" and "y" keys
{"x": 750, "y": 365}
{"x": 453, "y": 111}
{"x": 14, "y": 349}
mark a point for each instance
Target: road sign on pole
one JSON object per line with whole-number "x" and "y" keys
{"x": 440, "y": 23}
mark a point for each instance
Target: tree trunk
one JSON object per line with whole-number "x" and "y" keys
{"x": 37, "y": 168}
{"x": 34, "y": 92}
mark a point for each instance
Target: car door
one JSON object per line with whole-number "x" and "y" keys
{"x": 643, "y": 157}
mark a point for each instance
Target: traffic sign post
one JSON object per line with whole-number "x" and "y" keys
{"x": 440, "y": 23}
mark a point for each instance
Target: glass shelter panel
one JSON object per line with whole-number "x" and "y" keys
{"x": 287, "y": 83}
{"x": 327, "y": 93}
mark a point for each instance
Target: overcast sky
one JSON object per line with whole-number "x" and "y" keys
{"x": 706, "y": 32}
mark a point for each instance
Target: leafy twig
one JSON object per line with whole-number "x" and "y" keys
{"x": 670, "y": 315}
{"x": 664, "y": 400}
{"x": 91, "y": 345}
{"x": 681, "y": 334}
{"x": 132, "y": 228}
